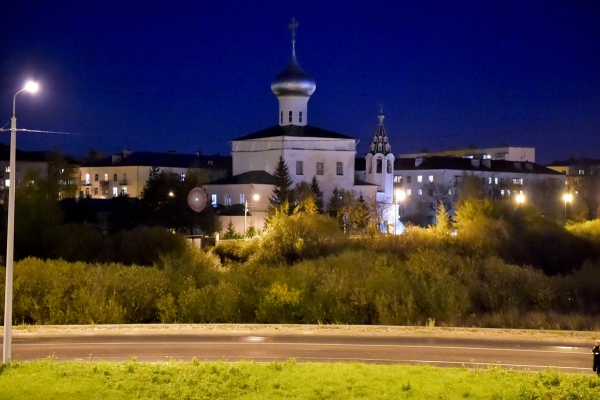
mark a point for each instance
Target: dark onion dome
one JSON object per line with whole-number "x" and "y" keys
{"x": 293, "y": 81}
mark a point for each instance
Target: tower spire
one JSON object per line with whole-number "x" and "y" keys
{"x": 293, "y": 26}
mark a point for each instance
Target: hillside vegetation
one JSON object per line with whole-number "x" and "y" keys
{"x": 303, "y": 269}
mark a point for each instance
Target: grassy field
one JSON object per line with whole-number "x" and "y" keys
{"x": 48, "y": 379}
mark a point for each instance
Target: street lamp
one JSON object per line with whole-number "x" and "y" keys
{"x": 399, "y": 196}
{"x": 568, "y": 197}
{"x": 255, "y": 198}
{"x": 10, "y": 230}
{"x": 520, "y": 199}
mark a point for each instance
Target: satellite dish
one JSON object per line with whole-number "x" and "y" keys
{"x": 197, "y": 199}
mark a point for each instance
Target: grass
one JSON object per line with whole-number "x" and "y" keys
{"x": 47, "y": 379}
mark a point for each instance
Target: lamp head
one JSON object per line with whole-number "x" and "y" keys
{"x": 31, "y": 87}
{"x": 256, "y": 197}
{"x": 568, "y": 197}
{"x": 400, "y": 195}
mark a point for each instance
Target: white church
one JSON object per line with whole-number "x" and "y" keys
{"x": 307, "y": 150}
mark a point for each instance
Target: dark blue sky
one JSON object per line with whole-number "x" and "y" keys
{"x": 191, "y": 75}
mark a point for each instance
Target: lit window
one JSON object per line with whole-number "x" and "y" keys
{"x": 518, "y": 181}
{"x": 398, "y": 179}
{"x": 495, "y": 181}
{"x": 182, "y": 177}
{"x": 408, "y": 192}
{"x": 115, "y": 191}
{"x": 581, "y": 172}
{"x": 7, "y": 169}
{"x": 228, "y": 201}
{"x": 7, "y": 183}
{"x": 420, "y": 178}
{"x": 242, "y": 198}
{"x": 124, "y": 190}
{"x": 213, "y": 199}
{"x": 502, "y": 192}
{"x": 299, "y": 168}
{"x": 420, "y": 192}
{"x": 508, "y": 192}
{"x": 430, "y": 178}
{"x": 87, "y": 179}
{"x": 105, "y": 177}
{"x": 450, "y": 191}
{"x": 339, "y": 168}
{"x": 490, "y": 180}
{"x": 319, "y": 168}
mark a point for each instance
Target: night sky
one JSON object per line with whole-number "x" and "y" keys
{"x": 192, "y": 75}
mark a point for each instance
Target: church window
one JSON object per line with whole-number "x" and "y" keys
{"x": 389, "y": 166}
{"x": 339, "y": 168}
{"x": 299, "y": 168}
{"x": 378, "y": 170}
{"x": 419, "y": 178}
{"x": 300, "y": 117}
{"x": 290, "y": 118}
{"x": 319, "y": 168}
{"x": 430, "y": 178}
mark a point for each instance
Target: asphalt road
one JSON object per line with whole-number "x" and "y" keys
{"x": 454, "y": 350}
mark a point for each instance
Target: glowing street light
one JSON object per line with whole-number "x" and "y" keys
{"x": 10, "y": 230}
{"x": 520, "y": 199}
{"x": 568, "y": 197}
{"x": 255, "y": 198}
{"x": 399, "y": 196}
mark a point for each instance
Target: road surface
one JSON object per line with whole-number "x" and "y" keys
{"x": 447, "y": 350}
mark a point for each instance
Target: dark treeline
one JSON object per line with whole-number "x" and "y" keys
{"x": 305, "y": 270}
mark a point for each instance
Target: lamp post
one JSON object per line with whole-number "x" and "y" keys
{"x": 399, "y": 196}
{"x": 255, "y": 198}
{"x": 568, "y": 197}
{"x": 10, "y": 230}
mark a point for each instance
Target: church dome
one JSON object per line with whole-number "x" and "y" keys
{"x": 293, "y": 81}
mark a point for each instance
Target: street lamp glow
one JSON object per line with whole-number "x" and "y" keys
{"x": 568, "y": 197}
{"x": 10, "y": 229}
{"x": 520, "y": 198}
{"x": 31, "y": 87}
{"x": 400, "y": 195}
{"x": 255, "y": 197}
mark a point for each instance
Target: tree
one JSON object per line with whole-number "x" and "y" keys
{"x": 443, "y": 225}
{"x": 314, "y": 184}
{"x": 304, "y": 199}
{"x": 282, "y": 192}
{"x": 230, "y": 232}
{"x": 470, "y": 187}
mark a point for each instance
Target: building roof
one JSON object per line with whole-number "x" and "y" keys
{"x": 468, "y": 164}
{"x": 306, "y": 131}
{"x": 169, "y": 159}
{"x": 32, "y": 156}
{"x": 575, "y": 161}
{"x": 463, "y": 164}
{"x": 250, "y": 177}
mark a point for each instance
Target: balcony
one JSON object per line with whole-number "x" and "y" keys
{"x": 86, "y": 183}
{"x": 104, "y": 184}
{"x": 123, "y": 182}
